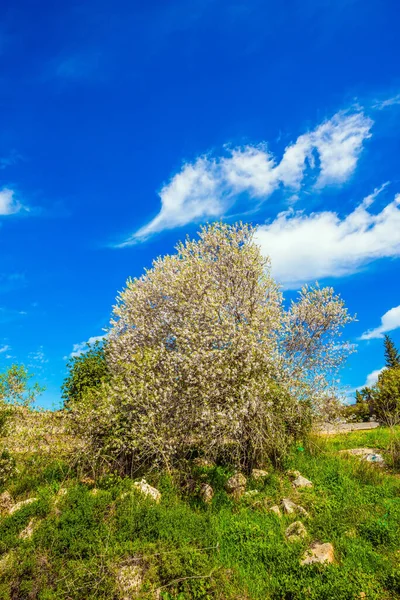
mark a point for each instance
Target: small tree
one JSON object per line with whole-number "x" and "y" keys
{"x": 14, "y": 392}
{"x": 85, "y": 371}
{"x": 392, "y": 355}
{"x": 202, "y": 353}
{"x": 386, "y": 397}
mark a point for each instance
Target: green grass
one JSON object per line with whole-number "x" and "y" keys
{"x": 225, "y": 550}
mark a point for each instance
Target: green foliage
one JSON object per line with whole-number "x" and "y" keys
{"x": 386, "y": 397}
{"x": 85, "y": 371}
{"x": 392, "y": 355}
{"x": 15, "y": 391}
{"x": 7, "y": 466}
{"x": 225, "y": 550}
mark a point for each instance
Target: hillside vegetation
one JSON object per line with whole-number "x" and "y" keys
{"x": 183, "y": 464}
{"x": 82, "y": 538}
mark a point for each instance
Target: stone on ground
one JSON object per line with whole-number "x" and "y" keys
{"x": 276, "y": 510}
{"x": 21, "y": 504}
{"x": 206, "y": 493}
{"x": 27, "y": 533}
{"x": 293, "y": 474}
{"x": 129, "y": 581}
{"x": 148, "y": 490}
{"x": 289, "y": 507}
{"x": 259, "y": 474}
{"x": 295, "y": 532}
{"x": 302, "y": 482}
{"x": 236, "y": 485}
{"x": 6, "y": 501}
{"x": 319, "y": 553}
{"x": 367, "y": 454}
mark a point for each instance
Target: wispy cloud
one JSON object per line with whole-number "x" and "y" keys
{"x": 9, "y": 204}
{"x": 308, "y": 247}
{"x": 210, "y": 186}
{"x": 389, "y": 321}
{"x": 387, "y": 102}
{"x": 4, "y": 348}
{"x": 82, "y": 347}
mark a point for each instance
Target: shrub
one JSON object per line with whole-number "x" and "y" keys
{"x": 7, "y": 466}
{"x": 386, "y": 397}
{"x": 202, "y": 353}
{"x": 85, "y": 371}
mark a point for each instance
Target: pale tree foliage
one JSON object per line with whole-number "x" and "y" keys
{"x": 203, "y": 354}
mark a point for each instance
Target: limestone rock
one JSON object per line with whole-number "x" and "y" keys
{"x": 259, "y": 474}
{"x": 302, "y": 482}
{"x": 289, "y": 507}
{"x": 293, "y": 474}
{"x": 27, "y": 533}
{"x": 236, "y": 485}
{"x": 129, "y": 581}
{"x": 367, "y": 454}
{"x": 206, "y": 493}
{"x": 21, "y": 504}
{"x": 276, "y": 510}
{"x": 319, "y": 553}
{"x": 6, "y": 502}
{"x": 148, "y": 490}
{"x": 238, "y": 480}
{"x": 295, "y": 532}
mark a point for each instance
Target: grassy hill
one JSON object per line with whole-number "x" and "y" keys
{"x": 85, "y": 539}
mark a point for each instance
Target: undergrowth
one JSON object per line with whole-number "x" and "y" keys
{"x": 85, "y": 532}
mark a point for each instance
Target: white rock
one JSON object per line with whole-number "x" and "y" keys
{"x": 289, "y": 507}
{"x": 21, "y": 504}
{"x": 276, "y": 510}
{"x": 237, "y": 481}
{"x": 295, "y": 532}
{"x": 367, "y": 454}
{"x": 148, "y": 490}
{"x": 28, "y": 531}
{"x": 206, "y": 493}
{"x": 302, "y": 482}
{"x": 129, "y": 581}
{"x": 259, "y": 474}
{"x": 6, "y": 501}
{"x": 319, "y": 553}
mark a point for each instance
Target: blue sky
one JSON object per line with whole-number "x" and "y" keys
{"x": 126, "y": 124}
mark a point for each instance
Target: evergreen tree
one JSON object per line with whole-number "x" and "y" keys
{"x": 392, "y": 355}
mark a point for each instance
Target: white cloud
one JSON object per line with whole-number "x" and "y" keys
{"x": 308, "y": 247}
{"x": 389, "y": 321}
{"x": 209, "y": 186}
{"x": 8, "y": 203}
{"x": 388, "y": 102}
{"x": 80, "y": 348}
{"x": 372, "y": 378}
{"x": 4, "y": 348}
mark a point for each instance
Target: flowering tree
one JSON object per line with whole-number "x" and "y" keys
{"x": 203, "y": 353}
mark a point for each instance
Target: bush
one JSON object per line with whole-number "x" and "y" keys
{"x": 386, "y": 397}
{"x": 358, "y": 412}
{"x": 203, "y": 354}
{"x": 7, "y": 466}
{"x": 85, "y": 371}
